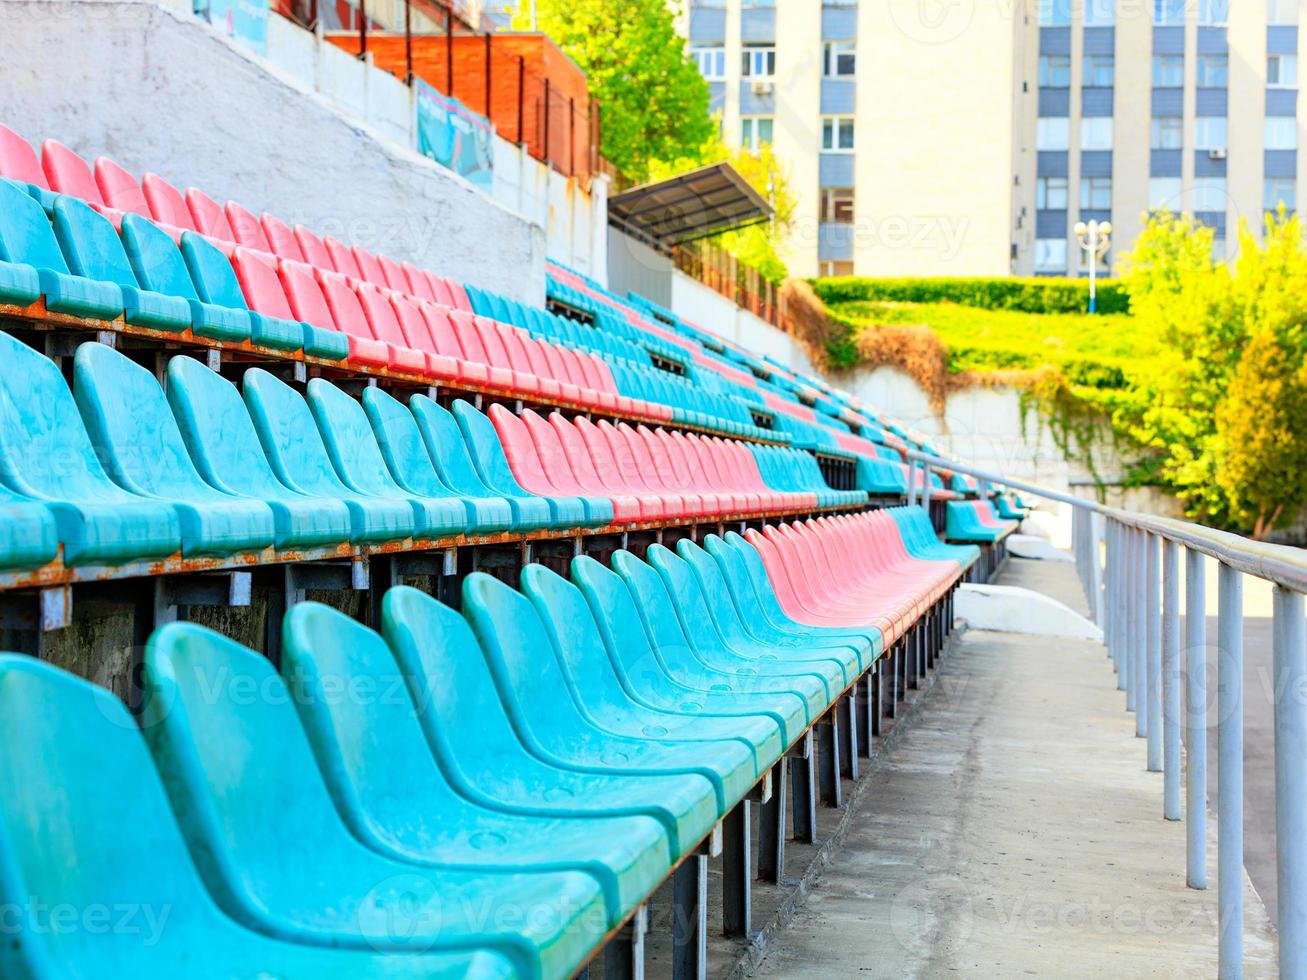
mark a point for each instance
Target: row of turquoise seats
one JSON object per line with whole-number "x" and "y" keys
{"x": 689, "y": 402}
{"x": 796, "y": 469}
{"x": 76, "y": 260}
{"x": 975, "y": 520}
{"x": 921, "y": 541}
{"x": 492, "y": 793}
{"x": 128, "y": 472}
{"x": 550, "y": 326}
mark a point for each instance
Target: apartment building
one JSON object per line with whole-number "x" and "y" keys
{"x": 970, "y": 137}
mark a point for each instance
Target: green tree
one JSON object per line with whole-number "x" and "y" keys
{"x": 653, "y": 100}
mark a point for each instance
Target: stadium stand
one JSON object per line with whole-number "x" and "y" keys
{"x": 664, "y": 578}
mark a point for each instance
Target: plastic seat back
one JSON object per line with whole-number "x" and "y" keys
{"x": 18, "y": 161}
{"x": 263, "y": 288}
{"x": 281, "y": 239}
{"x": 380, "y": 315}
{"x": 393, "y": 273}
{"x": 289, "y": 435}
{"x": 369, "y": 268}
{"x": 209, "y": 217}
{"x": 401, "y": 444}
{"x": 214, "y": 277}
{"x": 119, "y": 188}
{"x": 313, "y": 248}
{"x": 25, "y": 233}
{"x": 166, "y": 203}
{"x": 440, "y": 290}
{"x": 417, "y": 283}
{"x": 90, "y": 243}
{"x": 350, "y": 440}
{"x": 156, "y": 260}
{"x": 446, "y": 447}
{"x": 304, "y": 292}
{"x": 341, "y": 259}
{"x": 247, "y": 229}
{"x": 67, "y": 173}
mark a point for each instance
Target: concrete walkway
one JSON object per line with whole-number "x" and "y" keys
{"x": 1014, "y": 831}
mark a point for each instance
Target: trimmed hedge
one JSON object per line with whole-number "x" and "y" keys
{"x": 1036, "y": 295}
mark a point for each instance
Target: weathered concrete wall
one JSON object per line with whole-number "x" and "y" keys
{"x": 157, "y": 90}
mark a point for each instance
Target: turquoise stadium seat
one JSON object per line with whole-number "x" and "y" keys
{"x": 472, "y": 733}
{"x": 401, "y": 444}
{"x": 93, "y": 251}
{"x": 276, "y": 855}
{"x": 218, "y": 432}
{"x": 74, "y": 742}
{"x": 160, "y": 268}
{"x": 128, "y": 419}
{"x": 47, "y": 456}
{"x": 28, "y": 535}
{"x": 397, "y": 798}
{"x": 353, "y": 449}
{"x": 557, "y": 718}
{"x": 300, "y": 460}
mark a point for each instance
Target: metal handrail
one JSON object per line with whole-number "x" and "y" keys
{"x": 1133, "y": 588}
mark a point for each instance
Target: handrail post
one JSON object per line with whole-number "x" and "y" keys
{"x": 1290, "y": 658}
{"x": 1096, "y": 534}
{"x": 1195, "y": 733}
{"x": 1229, "y": 770}
{"x": 1153, "y": 637}
{"x": 1171, "y": 679}
{"x": 1132, "y": 583}
{"x": 925, "y": 488}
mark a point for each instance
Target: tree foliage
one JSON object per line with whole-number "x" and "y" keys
{"x": 653, "y": 100}
{"x": 1223, "y": 409}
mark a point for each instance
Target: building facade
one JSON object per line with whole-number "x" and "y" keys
{"x": 969, "y": 137}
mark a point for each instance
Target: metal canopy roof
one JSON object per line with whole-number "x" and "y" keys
{"x": 693, "y": 205}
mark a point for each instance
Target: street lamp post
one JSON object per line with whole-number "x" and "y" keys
{"x": 1093, "y": 238}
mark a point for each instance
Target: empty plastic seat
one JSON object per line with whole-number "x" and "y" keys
{"x": 19, "y": 162}
{"x": 161, "y": 268}
{"x": 394, "y": 273}
{"x": 119, "y": 188}
{"x": 339, "y": 308}
{"x": 359, "y": 462}
{"x": 452, "y": 458}
{"x": 341, "y": 259}
{"x": 137, "y": 438}
{"x": 166, "y": 203}
{"x": 283, "y": 326}
{"x": 516, "y": 448}
{"x": 282, "y": 239}
{"x": 295, "y": 449}
{"x": 224, "y": 446}
{"x": 312, "y": 248}
{"x": 209, "y": 217}
{"x": 76, "y": 743}
{"x": 400, "y": 801}
{"x": 68, "y": 173}
{"x": 304, "y": 876}
{"x": 28, "y": 536}
{"x": 384, "y": 326}
{"x": 405, "y": 453}
{"x": 97, "y": 521}
{"x": 246, "y": 228}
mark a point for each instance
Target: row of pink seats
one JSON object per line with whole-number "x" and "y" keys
{"x": 879, "y": 583}
{"x": 648, "y": 474}
{"x": 396, "y": 315}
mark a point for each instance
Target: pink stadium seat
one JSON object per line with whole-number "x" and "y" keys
{"x": 348, "y": 316}
{"x": 418, "y": 284}
{"x": 281, "y": 239}
{"x": 18, "y": 161}
{"x": 368, "y": 266}
{"x": 464, "y": 325}
{"x": 208, "y": 215}
{"x": 394, "y": 275}
{"x": 246, "y": 227}
{"x": 119, "y": 188}
{"x": 67, "y": 173}
{"x": 385, "y": 327}
{"x": 611, "y": 472}
{"x": 166, "y": 203}
{"x": 313, "y": 248}
{"x": 497, "y": 355}
{"x": 417, "y": 335}
{"x": 263, "y": 289}
{"x": 459, "y": 295}
{"x": 440, "y": 290}
{"x": 556, "y": 458}
{"x": 341, "y": 259}
{"x": 445, "y": 340}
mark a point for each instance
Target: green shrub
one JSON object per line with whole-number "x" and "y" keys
{"x": 1038, "y": 295}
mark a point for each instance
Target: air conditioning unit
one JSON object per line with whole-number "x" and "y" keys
{"x": 1217, "y": 153}
{"x": 763, "y": 88}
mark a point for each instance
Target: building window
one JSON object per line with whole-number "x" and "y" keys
{"x": 711, "y": 62}
{"x": 1053, "y": 133}
{"x": 1209, "y": 194}
{"x": 839, "y": 59}
{"x": 1282, "y": 12}
{"x": 1213, "y": 70}
{"x": 1281, "y": 133}
{"x": 1281, "y": 71}
{"x": 837, "y": 205}
{"x": 1051, "y": 194}
{"x": 837, "y": 267}
{"x": 1099, "y": 70}
{"x": 1168, "y": 12}
{"x": 1280, "y": 190}
{"x": 837, "y": 134}
{"x": 757, "y": 3}
{"x": 1100, "y": 13}
{"x": 1168, "y": 71}
{"x": 1095, "y": 193}
{"x": 1165, "y": 193}
{"x": 1050, "y": 255}
{"x": 755, "y": 131}
{"x": 1210, "y": 133}
{"x": 1055, "y": 13}
{"x": 1096, "y": 133}
{"x": 1213, "y": 13}
{"x": 759, "y": 61}
{"x": 1168, "y": 133}
{"x": 1054, "y": 71}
